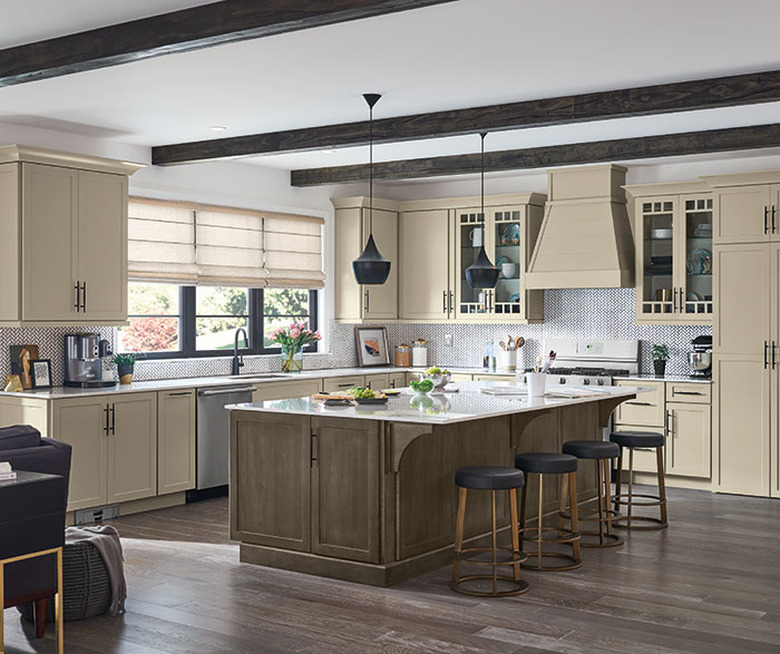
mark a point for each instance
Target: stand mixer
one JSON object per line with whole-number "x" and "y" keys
{"x": 700, "y": 359}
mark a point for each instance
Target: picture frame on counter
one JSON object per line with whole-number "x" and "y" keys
{"x": 40, "y": 373}
{"x": 21, "y": 356}
{"x": 371, "y": 344}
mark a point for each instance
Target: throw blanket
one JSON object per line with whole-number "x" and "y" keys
{"x": 106, "y": 539}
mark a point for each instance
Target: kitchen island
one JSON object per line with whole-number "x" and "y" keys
{"x": 366, "y": 493}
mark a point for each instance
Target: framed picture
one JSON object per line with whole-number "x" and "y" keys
{"x": 371, "y": 343}
{"x": 21, "y": 356}
{"x": 41, "y": 373}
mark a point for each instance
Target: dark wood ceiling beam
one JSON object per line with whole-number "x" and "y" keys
{"x": 618, "y": 150}
{"x": 711, "y": 93}
{"x": 182, "y": 31}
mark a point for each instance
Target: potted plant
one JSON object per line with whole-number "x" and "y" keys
{"x": 293, "y": 339}
{"x": 125, "y": 364}
{"x": 660, "y": 354}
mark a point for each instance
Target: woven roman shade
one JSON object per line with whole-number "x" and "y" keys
{"x": 201, "y": 244}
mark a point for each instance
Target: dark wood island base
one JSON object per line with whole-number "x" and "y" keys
{"x": 374, "y": 501}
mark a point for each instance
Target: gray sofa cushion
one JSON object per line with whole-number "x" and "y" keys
{"x": 18, "y": 437}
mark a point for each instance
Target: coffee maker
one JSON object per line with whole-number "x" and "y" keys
{"x": 84, "y": 361}
{"x": 700, "y": 358}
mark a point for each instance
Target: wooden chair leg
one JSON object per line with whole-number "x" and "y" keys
{"x": 659, "y": 457}
{"x": 461, "y": 519}
{"x": 41, "y": 606}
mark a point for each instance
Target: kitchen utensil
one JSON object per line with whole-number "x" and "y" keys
{"x": 700, "y": 359}
{"x": 502, "y": 345}
{"x": 519, "y": 342}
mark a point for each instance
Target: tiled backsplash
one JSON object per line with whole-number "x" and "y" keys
{"x": 569, "y": 313}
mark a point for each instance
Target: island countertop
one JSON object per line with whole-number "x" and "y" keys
{"x": 464, "y": 401}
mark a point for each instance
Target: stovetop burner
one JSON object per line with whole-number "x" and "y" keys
{"x": 586, "y": 372}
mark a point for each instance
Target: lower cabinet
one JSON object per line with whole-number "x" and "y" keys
{"x": 386, "y": 380}
{"x": 114, "y": 447}
{"x": 175, "y": 441}
{"x": 335, "y": 384}
{"x": 682, "y": 411}
{"x": 267, "y": 391}
{"x": 306, "y": 484}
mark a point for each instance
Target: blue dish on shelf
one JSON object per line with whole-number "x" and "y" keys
{"x": 510, "y": 235}
{"x": 515, "y": 297}
{"x": 699, "y": 262}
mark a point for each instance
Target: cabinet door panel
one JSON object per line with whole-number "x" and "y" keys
{"x": 349, "y": 236}
{"x": 741, "y": 424}
{"x": 646, "y": 410}
{"x": 10, "y": 255}
{"x": 740, "y": 214}
{"x": 132, "y": 448}
{"x": 175, "y": 441}
{"x": 82, "y": 424}
{"x": 689, "y": 444}
{"x": 50, "y": 251}
{"x": 424, "y": 257}
{"x": 742, "y": 299}
{"x": 102, "y": 244}
{"x": 345, "y": 489}
{"x": 380, "y": 302}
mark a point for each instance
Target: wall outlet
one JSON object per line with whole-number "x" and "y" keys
{"x": 448, "y": 340}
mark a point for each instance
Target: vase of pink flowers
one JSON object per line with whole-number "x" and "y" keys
{"x": 293, "y": 339}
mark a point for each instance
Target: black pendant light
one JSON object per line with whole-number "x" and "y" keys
{"x": 371, "y": 267}
{"x": 482, "y": 273}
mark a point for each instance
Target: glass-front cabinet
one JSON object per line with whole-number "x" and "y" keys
{"x": 508, "y": 233}
{"x": 673, "y": 232}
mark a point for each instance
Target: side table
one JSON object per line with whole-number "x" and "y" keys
{"x": 32, "y": 524}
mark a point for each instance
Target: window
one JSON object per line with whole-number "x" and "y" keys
{"x": 168, "y": 321}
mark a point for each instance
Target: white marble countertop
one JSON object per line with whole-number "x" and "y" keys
{"x": 468, "y": 403}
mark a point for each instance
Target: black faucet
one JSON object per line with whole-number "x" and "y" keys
{"x": 238, "y": 361}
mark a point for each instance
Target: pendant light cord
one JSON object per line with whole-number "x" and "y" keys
{"x": 371, "y": 169}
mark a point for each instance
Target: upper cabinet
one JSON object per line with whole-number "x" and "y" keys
{"x": 63, "y": 221}
{"x": 439, "y": 240}
{"x": 673, "y": 230}
{"x": 355, "y": 302}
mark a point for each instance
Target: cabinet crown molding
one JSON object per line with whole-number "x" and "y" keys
{"x": 668, "y": 188}
{"x": 743, "y": 179}
{"x": 29, "y": 154}
{"x": 362, "y": 202}
{"x": 467, "y": 202}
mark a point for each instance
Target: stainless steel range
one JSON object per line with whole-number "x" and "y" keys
{"x": 591, "y": 362}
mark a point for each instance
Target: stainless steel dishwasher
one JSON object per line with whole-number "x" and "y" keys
{"x": 213, "y": 438}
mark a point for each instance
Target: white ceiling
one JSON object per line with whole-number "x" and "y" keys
{"x": 463, "y": 54}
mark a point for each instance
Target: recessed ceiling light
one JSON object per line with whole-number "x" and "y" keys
{"x": 218, "y": 128}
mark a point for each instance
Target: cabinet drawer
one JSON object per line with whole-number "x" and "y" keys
{"x": 647, "y": 409}
{"x": 687, "y": 392}
{"x": 332, "y": 384}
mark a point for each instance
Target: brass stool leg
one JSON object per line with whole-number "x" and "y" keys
{"x": 515, "y": 533}
{"x": 630, "y": 485}
{"x": 462, "y": 493}
{"x": 608, "y": 495}
{"x": 605, "y": 513}
{"x": 659, "y": 457}
{"x": 619, "y": 481}
{"x": 523, "y": 513}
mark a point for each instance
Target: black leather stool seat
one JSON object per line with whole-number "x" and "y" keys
{"x": 637, "y": 438}
{"x": 592, "y": 449}
{"x": 489, "y": 478}
{"x": 546, "y": 462}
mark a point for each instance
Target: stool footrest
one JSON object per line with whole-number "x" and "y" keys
{"x": 519, "y": 586}
{"x": 657, "y": 523}
{"x": 517, "y": 556}
{"x": 573, "y": 564}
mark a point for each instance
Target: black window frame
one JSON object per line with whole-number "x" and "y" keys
{"x": 256, "y": 330}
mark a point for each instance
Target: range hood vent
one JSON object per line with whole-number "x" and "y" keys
{"x": 585, "y": 240}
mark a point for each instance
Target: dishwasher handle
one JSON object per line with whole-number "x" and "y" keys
{"x": 226, "y": 391}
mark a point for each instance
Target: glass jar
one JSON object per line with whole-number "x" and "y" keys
{"x": 403, "y": 356}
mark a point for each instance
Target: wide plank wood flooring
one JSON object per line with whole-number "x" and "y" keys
{"x": 708, "y": 584}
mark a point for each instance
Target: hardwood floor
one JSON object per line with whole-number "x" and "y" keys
{"x": 710, "y": 583}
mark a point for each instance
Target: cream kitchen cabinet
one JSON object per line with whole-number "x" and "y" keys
{"x": 746, "y": 368}
{"x": 335, "y": 384}
{"x": 114, "y": 443}
{"x": 427, "y": 256}
{"x": 381, "y": 381}
{"x": 673, "y": 227}
{"x": 440, "y": 240}
{"x": 682, "y": 411}
{"x": 357, "y": 303}
{"x": 63, "y": 219}
{"x": 175, "y": 441}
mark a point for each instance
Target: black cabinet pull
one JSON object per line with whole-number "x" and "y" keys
{"x": 687, "y": 393}
{"x": 84, "y": 297}
{"x": 77, "y": 303}
{"x": 444, "y": 301}
{"x": 773, "y": 219}
{"x": 639, "y": 403}
{"x": 774, "y": 355}
{"x": 180, "y": 394}
{"x": 452, "y": 302}
{"x": 312, "y": 456}
{"x": 113, "y": 419}
{"x": 766, "y": 355}
{"x": 766, "y": 220}
{"x": 106, "y": 428}
{"x": 674, "y": 301}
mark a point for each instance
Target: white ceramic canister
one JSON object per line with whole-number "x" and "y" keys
{"x": 506, "y": 360}
{"x": 537, "y": 381}
{"x": 419, "y": 356}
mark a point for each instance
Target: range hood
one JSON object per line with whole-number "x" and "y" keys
{"x": 585, "y": 240}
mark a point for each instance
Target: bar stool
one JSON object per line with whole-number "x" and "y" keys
{"x": 545, "y": 463}
{"x": 602, "y": 452}
{"x": 492, "y": 479}
{"x": 639, "y": 439}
